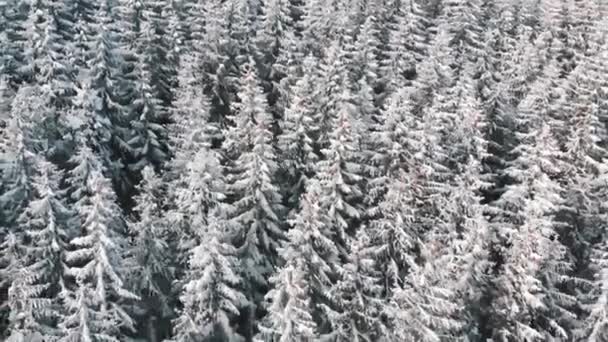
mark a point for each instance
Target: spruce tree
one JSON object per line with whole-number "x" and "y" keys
{"x": 340, "y": 173}
{"x": 195, "y": 172}
{"x": 300, "y": 299}
{"x": 45, "y": 69}
{"x": 13, "y": 14}
{"x": 97, "y": 298}
{"x": 407, "y": 44}
{"x": 358, "y": 293}
{"x": 535, "y": 260}
{"x": 211, "y": 297}
{"x": 257, "y": 212}
{"x": 33, "y": 295}
{"x": 153, "y": 265}
{"x": 296, "y": 142}
{"x": 276, "y": 43}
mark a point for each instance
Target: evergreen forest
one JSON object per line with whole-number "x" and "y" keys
{"x": 303, "y": 170}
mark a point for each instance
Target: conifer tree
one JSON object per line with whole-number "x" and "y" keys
{"x": 358, "y": 293}
{"x": 46, "y": 69}
{"x": 199, "y": 194}
{"x": 153, "y": 265}
{"x": 155, "y": 52}
{"x": 392, "y": 192}
{"x": 211, "y": 297}
{"x": 78, "y": 18}
{"x": 300, "y": 300}
{"x": 100, "y": 95}
{"x": 333, "y": 85}
{"x": 535, "y": 262}
{"x": 33, "y": 295}
{"x": 296, "y": 141}
{"x": 257, "y": 212}
{"x": 148, "y": 137}
{"x": 17, "y": 164}
{"x": 276, "y": 43}
{"x": 322, "y": 23}
{"x": 340, "y": 173}
{"x": 583, "y": 208}
{"x": 420, "y": 308}
{"x": 407, "y": 44}
{"x": 13, "y": 14}
{"x": 461, "y": 19}
{"x": 195, "y": 174}
{"x": 458, "y": 242}
{"x": 97, "y": 298}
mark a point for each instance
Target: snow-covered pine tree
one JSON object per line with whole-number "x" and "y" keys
{"x": 392, "y": 191}
{"x": 192, "y": 129}
{"x": 276, "y": 44}
{"x": 332, "y": 84}
{"x": 462, "y": 20}
{"x": 499, "y": 36}
{"x": 232, "y": 31}
{"x": 457, "y": 243}
{"x": 78, "y": 18}
{"x": 20, "y": 141}
{"x": 200, "y": 187}
{"x": 596, "y": 324}
{"x": 148, "y": 136}
{"x": 340, "y": 173}
{"x": 252, "y": 188}
{"x": 17, "y": 168}
{"x": 153, "y": 270}
{"x": 211, "y": 296}
{"x": 323, "y": 23}
{"x": 369, "y": 89}
{"x": 494, "y": 40}
{"x": 99, "y": 102}
{"x": 363, "y": 63}
{"x": 92, "y": 126}
{"x": 564, "y": 32}
{"x": 434, "y": 74}
{"x": 421, "y": 309}
{"x": 359, "y": 296}
{"x": 137, "y": 99}
{"x": 44, "y": 64}
{"x": 12, "y": 14}
{"x": 9, "y": 268}
{"x": 17, "y": 147}
{"x": 155, "y": 45}
{"x": 296, "y": 141}
{"x": 585, "y": 178}
{"x": 408, "y": 40}
{"x": 299, "y": 300}
{"x": 198, "y": 210}
{"x": 33, "y": 294}
{"x": 412, "y": 282}
{"x": 195, "y": 173}
{"x": 46, "y": 70}
{"x": 216, "y": 46}
{"x": 534, "y": 260}
{"x": 96, "y": 299}
{"x": 519, "y": 73}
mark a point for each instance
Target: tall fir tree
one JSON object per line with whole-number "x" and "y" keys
{"x": 535, "y": 262}
{"x": 300, "y": 300}
{"x": 33, "y": 295}
{"x": 252, "y": 188}
{"x": 153, "y": 269}
{"x": 296, "y": 142}
{"x": 97, "y": 299}
{"x": 211, "y": 296}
